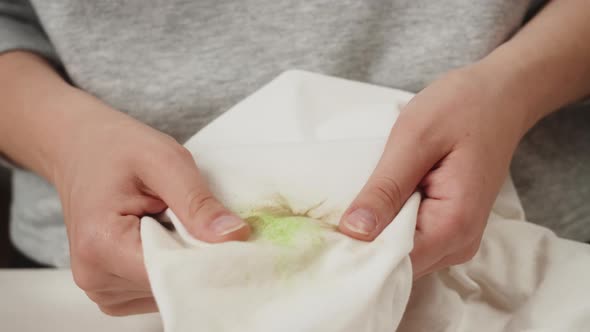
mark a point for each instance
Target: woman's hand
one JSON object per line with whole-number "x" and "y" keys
{"x": 112, "y": 171}
{"x": 109, "y": 170}
{"x": 454, "y": 142}
{"x": 455, "y": 139}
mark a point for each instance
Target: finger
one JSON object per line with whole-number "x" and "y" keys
{"x": 107, "y": 254}
{"x": 408, "y": 156}
{"x": 139, "y": 204}
{"x": 438, "y": 234}
{"x": 102, "y": 281}
{"x": 420, "y": 273}
{"x": 121, "y": 254}
{"x": 133, "y": 307}
{"x": 178, "y": 182}
{"x": 110, "y": 266}
{"x": 114, "y": 297}
{"x": 460, "y": 257}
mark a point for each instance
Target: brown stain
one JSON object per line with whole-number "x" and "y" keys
{"x": 280, "y": 208}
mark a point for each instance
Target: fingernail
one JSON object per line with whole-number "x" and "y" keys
{"x": 361, "y": 221}
{"x": 226, "y": 224}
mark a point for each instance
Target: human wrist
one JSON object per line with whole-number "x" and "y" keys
{"x": 525, "y": 84}
{"x": 31, "y": 92}
{"x": 508, "y": 94}
{"x": 76, "y": 117}
{"x": 52, "y": 130}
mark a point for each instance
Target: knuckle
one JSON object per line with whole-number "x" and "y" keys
{"x": 179, "y": 152}
{"x": 466, "y": 254}
{"x": 162, "y": 151}
{"x": 100, "y": 298}
{"x": 197, "y": 201}
{"x": 471, "y": 251}
{"x": 111, "y": 310}
{"x": 452, "y": 260}
{"x": 168, "y": 138}
{"x": 388, "y": 191}
{"x": 461, "y": 226}
{"x": 174, "y": 155}
{"x": 107, "y": 298}
{"x": 85, "y": 246}
{"x": 85, "y": 279}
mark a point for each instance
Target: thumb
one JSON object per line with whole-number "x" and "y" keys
{"x": 178, "y": 182}
{"x": 407, "y": 157}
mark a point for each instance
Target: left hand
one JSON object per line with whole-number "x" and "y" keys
{"x": 454, "y": 142}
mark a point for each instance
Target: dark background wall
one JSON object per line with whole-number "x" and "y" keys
{"x": 5, "y": 248}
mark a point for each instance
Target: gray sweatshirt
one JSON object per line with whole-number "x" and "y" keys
{"x": 176, "y": 65}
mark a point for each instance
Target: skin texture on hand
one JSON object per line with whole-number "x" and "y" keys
{"x": 455, "y": 139}
{"x": 109, "y": 170}
{"x": 117, "y": 171}
{"x": 454, "y": 143}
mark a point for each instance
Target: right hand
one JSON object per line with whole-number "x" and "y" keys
{"x": 112, "y": 170}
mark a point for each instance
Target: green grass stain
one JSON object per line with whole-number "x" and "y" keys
{"x": 283, "y": 230}
{"x": 298, "y": 236}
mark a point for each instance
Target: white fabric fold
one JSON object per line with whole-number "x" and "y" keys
{"x": 289, "y": 159}
{"x": 295, "y": 279}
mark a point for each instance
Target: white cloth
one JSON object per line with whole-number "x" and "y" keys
{"x": 309, "y": 142}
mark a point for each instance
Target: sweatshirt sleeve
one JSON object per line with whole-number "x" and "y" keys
{"x": 20, "y": 30}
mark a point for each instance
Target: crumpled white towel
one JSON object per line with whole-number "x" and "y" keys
{"x": 304, "y": 145}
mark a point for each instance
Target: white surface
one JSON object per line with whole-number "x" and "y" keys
{"x": 48, "y": 300}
